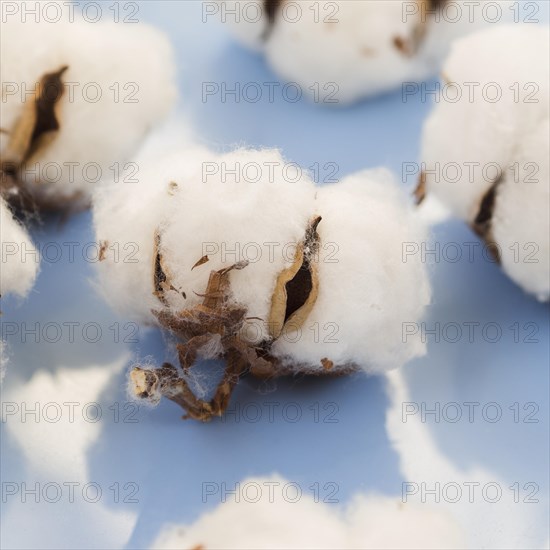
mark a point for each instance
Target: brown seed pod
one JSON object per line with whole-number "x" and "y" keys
{"x": 297, "y": 286}
{"x": 33, "y": 131}
{"x": 37, "y": 125}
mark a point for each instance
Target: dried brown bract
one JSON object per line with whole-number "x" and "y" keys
{"x": 161, "y": 281}
{"x": 215, "y": 323}
{"x": 271, "y": 7}
{"x": 420, "y": 191}
{"x": 36, "y": 128}
{"x": 103, "y": 245}
{"x": 482, "y": 224}
{"x": 409, "y": 46}
{"x": 213, "y": 329}
{"x": 297, "y": 287}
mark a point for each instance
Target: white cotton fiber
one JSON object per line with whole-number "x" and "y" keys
{"x": 265, "y": 519}
{"x": 193, "y": 202}
{"x": 19, "y": 264}
{"x": 213, "y": 215}
{"x": 367, "y": 290}
{"x": 339, "y": 52}
{"x": 498, "y": 137}
{"x": 20, "y": 259}
{"x": 119, "y": 83}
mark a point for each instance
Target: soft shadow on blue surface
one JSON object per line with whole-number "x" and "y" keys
{"x": 501, "y": 359}
{"x": 63, "y": 322}
{"x": 318, "y": 431}
{"x": 13, "y": 467}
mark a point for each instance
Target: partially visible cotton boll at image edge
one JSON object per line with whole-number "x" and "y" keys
{"x": 500, "y": 146}
{"x": 19, "y": 264}
{"x": 78, "y": 97}
{"x": 339, "y": 52}
{"x": 264, "y": 270}
{"x": 268, "y": 519}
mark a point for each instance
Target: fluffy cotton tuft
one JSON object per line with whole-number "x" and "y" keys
{"x": 265, "y": 520}
{"x": 339, "y": 52}
{"x": 19, "y": 265}
{"x": 118, "y": 83}
{"x": 190, "y": 215}
{"x": 200, "y": 214}
{"x": 20, "y": 259}
{"x": 367, "y": 289}
{"x": 502, "y": 184}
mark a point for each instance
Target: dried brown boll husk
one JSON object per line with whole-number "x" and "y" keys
{"x": 219, "y": 320}
{"x": 34, "y": 130}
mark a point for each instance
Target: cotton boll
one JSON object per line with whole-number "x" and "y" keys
{"x": 387, "y": 523}
{"x": 241, "y": 257}
{"x": 20, "y": 259}
{"x": 368, "y": 290}
{"x": 117, "y": 84}
{"x": 267, "y": 520}
{"x": 339, "y": 52}
{"x": 260, "y": 525}
{"x": 196, "y": 210}
{"x": 233, "y": 221}
{"x": 501, "y": 187}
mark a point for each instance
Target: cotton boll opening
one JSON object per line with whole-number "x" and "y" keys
{"x": 297, "y": 286}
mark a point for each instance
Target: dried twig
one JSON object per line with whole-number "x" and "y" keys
{"x": 215, "y": 326}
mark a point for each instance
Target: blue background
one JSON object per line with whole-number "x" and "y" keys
{"x": 169, "y": 458}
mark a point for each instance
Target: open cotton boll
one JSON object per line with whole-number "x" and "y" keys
{"x": 339, "y": 52}
{"x": 485, "y": 155}
{"x": 265, "y": 518}
{"x": 20, "y": 260}
{"x": 367, "y": 290}
{"x": 186, "y": 207}
{"x": 77, "y": 99}
{"x": 241, "y": 257}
